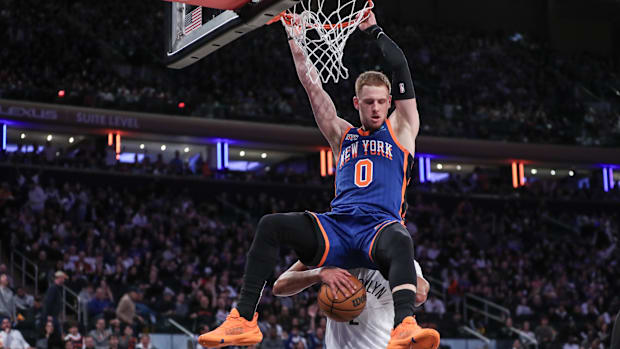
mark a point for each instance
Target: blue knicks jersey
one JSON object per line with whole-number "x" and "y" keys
{"x": 372, "y": 172}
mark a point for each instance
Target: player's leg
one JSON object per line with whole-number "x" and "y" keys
{"x": 282, "y": 229}
{"x": 392, "y": 252}
{"x": 393, "y": 255}
{"x": 295, "y": 230}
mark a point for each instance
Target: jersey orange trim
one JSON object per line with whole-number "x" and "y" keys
{"x": 324, "y": 257}
{"x": 379, "y": 229}
{"x": 338, "y": 159}
{"x": 362, "y": 132}
{"x": 340, "y": 147}
{"x": 405, "y": 182}
{"x": 400, "y": 146}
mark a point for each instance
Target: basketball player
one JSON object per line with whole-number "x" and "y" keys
{"x": 363, "y": 229}
{"x": 371, "y": 329}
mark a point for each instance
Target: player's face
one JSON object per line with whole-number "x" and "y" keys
{"x": 373, "y": 103}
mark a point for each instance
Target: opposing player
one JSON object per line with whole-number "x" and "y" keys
{"x": 363, "y": 229}
{"x": 371, "y": 329}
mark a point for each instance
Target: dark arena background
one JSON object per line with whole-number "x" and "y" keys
{"x": 144, "y": 184}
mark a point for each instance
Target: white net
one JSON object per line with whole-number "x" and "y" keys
{"x": 322, "y": 36}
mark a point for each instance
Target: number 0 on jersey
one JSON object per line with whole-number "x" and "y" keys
{"x": 363, "y": 173}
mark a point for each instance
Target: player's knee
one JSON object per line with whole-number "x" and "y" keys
{"x": 396, "y": 241}
{"x": 267, "y": 227}
{"x": 269, "y": 223}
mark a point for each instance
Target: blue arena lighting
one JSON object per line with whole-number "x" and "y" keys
{"x": 612, "y": 183}
{"x": 3, "y": 136}
{"x": 421, "y": 168}
{"x": 605, "y": 180}
{"x": 225, "y": 154}
{"x": 427, "y": 168}
{"x": 219, "y": 155}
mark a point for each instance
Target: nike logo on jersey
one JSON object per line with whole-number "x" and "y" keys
{"x": 365, "y": 147}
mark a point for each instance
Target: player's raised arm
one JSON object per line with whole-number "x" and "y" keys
{"x": 403, "y": 94}
{"x": 332, "y": 127}
{"x": 299, "y": 277}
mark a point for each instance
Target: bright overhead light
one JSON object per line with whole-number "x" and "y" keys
{"x": 439, "y": 166}
{"x": 71, "y": 139}
{"x": 263, "y": 155}
{"x": 458, "y": 167}
{"x": 22, "y": 136}
{"x": 142, "y": 146}
{"x": 49, "y": 137}
{"x": 552, "y": 172}
{"x": 571, "y": 173}
{"x": 163, "y": 147}
{"x": 186, "y": 149}
{"x": 533, "y": 171}
{"x": 242, "y": 153}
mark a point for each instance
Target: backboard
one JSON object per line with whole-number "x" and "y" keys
{"x": 194, "y": 31}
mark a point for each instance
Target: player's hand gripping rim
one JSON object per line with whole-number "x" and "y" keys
{"x": 337, "y": 280}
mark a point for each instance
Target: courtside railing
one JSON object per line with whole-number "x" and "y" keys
{"x": 527, "y": 339}
{"x": 192, "y": 338}
{"x": 71, "y": 301}
{"x": 476, "y": 334}
{"x": 437, "y": 288}
{"x": 490, "y": 310}
{"x": 27, "y": 269}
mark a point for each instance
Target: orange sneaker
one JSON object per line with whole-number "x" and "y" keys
{"x": 236, "y": 330}
{"x": 409, "y": 335}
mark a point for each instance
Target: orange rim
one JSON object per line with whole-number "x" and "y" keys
{"x": 288, "y": 19}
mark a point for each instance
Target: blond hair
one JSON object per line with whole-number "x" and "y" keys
{"x": 372, "y": 78}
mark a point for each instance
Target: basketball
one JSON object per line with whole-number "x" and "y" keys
{"x": 343, "y": 309}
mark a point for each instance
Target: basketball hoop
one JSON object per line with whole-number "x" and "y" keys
{"x": 322, "y": 35}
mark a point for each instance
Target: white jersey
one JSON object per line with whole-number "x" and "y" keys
{"x": 372, "y": 328}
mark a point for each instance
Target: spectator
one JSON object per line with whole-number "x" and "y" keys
{"x": 89, "y": 343}
{"x": 126, "y": 309}
{"x": 145, "y": 342}
{"x": 100, "y": 334}
{"x": 572, "y": 343}
{"x": 127, "y": 340}
{"x": 273, "y": 341}
{"x": 523, "y": 309}
{"x": 176, "y": 164}
{"x": 181, "y": 308}
{"x": 10, "y": 338}
{"x": 434, "y": 305}
{"x": 140, "y": 219}
{"x": 52, "y": 304}
{"x": 3, "y": 270}
{"x": 99, "y": 304}
{"x": 544, "y": 332}
{"x": 23, "y": 300}
{"x": 166, "y": 305}
{"x": 37, "y": 198}
{"x": 50, "y": 338}
{"x": 316, "y": 339}
{"x": 296, "y": 341}
{"x": 528, "y": 332}
{"x": 74, "y": 337}
{"x": 7, "y": 298}
{"x": 5, "y": 196}
{"x": 114, "y": 342}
